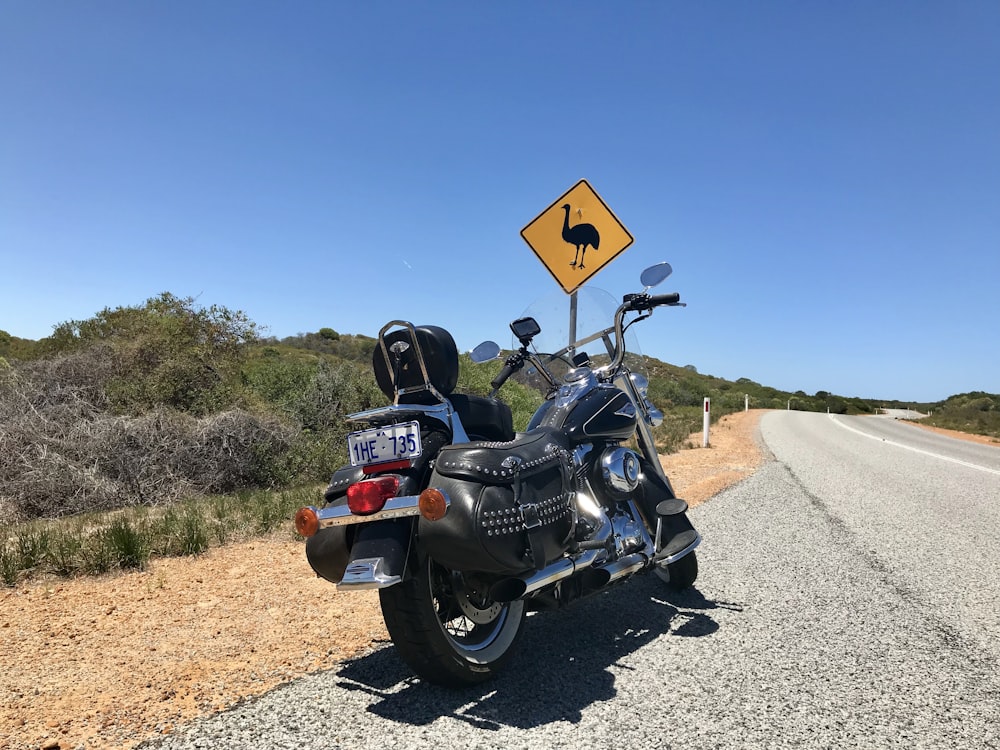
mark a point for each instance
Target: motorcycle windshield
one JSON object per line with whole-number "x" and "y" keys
{"x": 594, "y": 315}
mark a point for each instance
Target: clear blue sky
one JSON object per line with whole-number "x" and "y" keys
{"x": 824, "y": 177}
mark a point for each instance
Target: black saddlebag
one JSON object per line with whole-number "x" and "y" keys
{"x": 512, "y": 504}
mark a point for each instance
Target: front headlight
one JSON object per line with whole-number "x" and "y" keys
{"x": 655, "y": 415}
{"x": 640, "y": 382}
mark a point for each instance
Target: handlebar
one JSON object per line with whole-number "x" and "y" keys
{"x": 514, "y": 363}
{"x": 665, "y": 299}
{"x": 500, "y": 379}
{"x": 642, "y": 301}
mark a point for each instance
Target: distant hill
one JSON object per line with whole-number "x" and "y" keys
{"x": 12, "y": 347}
{"x": 351, "y": 347}
{"x": 975, "y": 412}
{"x": 671, "y": 386}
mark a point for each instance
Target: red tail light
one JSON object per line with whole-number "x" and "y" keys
{"x": 370, "y": 495}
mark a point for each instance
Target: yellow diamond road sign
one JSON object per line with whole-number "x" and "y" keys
{"x": 576, "y": 236}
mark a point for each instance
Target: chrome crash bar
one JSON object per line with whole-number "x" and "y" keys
{"x": 395, "y": 507}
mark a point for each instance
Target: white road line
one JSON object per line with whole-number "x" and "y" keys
{"x": 987, "y": 469}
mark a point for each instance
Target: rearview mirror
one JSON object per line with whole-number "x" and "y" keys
{"x": 486, "y": 351}
{"x": 655, "y": 275}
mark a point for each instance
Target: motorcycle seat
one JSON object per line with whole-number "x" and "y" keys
{"x": 484, "y": 418}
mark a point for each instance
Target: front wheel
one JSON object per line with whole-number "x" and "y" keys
{"x": 680, "y": 575}
{"x": 447, "y": 628}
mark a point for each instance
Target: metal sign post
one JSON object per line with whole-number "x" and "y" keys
{"x": 572, "y": 320}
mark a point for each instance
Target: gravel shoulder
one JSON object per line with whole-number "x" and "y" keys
{"x": 105, "y": 663}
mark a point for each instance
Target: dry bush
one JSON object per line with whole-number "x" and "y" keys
{"x": 73, "y": 382}
{"x": 61, "y": 453}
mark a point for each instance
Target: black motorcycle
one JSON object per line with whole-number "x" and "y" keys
{"x": 463, "y": 525}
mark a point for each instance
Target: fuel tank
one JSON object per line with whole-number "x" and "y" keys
{"x": 603, "y": 411}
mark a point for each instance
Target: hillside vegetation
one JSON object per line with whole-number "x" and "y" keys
{"x": 975, "y": 412}
{"x": 150, "y": 404}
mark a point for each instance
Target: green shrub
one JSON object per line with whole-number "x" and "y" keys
{"x": 130, "y": 545}
{"x": 31, "y": 546}
{"x": 9, "y": 569}
{"x": 192, "y": 536}
{"x": 97, "y": 553}
{"x": 223, "y": 512}
{"x": 181, "y": 530}
{"x": 66, "y": 552}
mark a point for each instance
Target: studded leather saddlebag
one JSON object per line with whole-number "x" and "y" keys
{"x": 512, "y": 504}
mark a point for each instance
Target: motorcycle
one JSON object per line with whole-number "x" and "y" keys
{"x": 463, "y": 525}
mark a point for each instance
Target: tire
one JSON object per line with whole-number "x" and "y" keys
{"x": 446, "y": 631}
{"x": 680, "y": 575}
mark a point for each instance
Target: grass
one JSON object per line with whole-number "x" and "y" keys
{"x": 973, "y": 418}
{"x": 128, "y": 539}
{"x": 680, "y": 422}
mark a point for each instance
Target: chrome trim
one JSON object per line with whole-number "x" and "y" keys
{"x": 562, "y": 568}
{"x": 640, "y": 382}
{"x": 593, "y": 514}
{"x": 391, "y": 413}
{"x": 580, "y": 453}
{"x": 626, "y": 566}
{"x": 620, "y": 469}
{"x": 395, "y": 507}
{"x": 365, "y": 574}
{"x": 647, "y": 541}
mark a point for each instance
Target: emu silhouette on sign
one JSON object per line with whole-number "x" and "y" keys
{"x": 580, "y": 236}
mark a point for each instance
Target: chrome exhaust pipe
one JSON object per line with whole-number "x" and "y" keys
{"x": 626, "y": 566}
{"x": 510, "y": 589}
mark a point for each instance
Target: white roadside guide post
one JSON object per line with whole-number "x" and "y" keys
{"x": 746, "y": 402}
{"x": 704, "y": 436}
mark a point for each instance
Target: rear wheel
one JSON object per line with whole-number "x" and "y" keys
{"x": 680, "y": 575}
{"x": 447, "y": 628}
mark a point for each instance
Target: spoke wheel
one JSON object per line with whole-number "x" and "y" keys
{"x": 446, "y": 626}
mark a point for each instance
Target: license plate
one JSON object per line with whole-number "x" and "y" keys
{"x": 381, "y": 444}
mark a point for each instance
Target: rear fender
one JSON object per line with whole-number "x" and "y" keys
{"x": 377, "y": 557}
{"x": 379, "y": 551}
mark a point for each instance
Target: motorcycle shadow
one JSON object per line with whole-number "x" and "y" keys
{"x": 562, "y": 665}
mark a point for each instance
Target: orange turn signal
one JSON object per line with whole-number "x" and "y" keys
{"x": 307, "y": 521}
{"x": 433, "y": 504}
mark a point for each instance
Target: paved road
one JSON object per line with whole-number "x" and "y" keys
{"x": 848, "y": 598}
